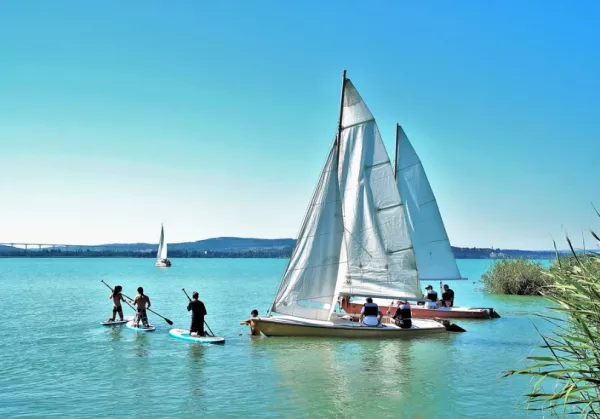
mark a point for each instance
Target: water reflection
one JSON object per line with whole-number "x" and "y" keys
{"x": 141, "y": 345}
{"x": 115, "y": 334}
{"x": 341, "y": 377}
{"x": 195, "y": 370}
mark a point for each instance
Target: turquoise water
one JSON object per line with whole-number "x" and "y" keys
{"x": 57, "y": 361}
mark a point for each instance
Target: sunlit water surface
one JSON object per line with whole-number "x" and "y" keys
{"x": 58, "y": 361}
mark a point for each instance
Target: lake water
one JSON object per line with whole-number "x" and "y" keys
{"x": 58, "y": 361}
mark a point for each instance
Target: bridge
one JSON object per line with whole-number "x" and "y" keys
{"x": 40, "y": 246}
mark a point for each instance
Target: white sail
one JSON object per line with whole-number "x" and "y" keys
{"x": 308, "y": 287}
{"x": 381, "y": 260}
{"x": 162, "y": 246}
{"x": 435, "y": 260}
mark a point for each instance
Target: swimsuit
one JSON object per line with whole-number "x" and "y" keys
{"x": 141, "y": 315}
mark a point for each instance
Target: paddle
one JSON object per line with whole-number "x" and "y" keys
{"x": 186, "y": 294}
{"x": 150, "y": 310}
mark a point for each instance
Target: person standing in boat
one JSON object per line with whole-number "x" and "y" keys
{"x": 141, "y": 302}
{"x": 431, "y": 296}
{"x": 403, "y": 315}
{"x": 370, "y": 315}
{"x": 447, "y": 297}
{"x": 198, "y": 312}
{"x": 117, "y": 297}
{"x": 252, "y": 321}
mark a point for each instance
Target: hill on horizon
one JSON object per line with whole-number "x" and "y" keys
{"x": 281, "y": 247}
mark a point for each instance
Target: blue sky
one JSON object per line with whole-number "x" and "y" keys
{"x": 215, "y": 118}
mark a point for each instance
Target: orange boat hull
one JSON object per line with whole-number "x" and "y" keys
{"x": 419, "y": 312}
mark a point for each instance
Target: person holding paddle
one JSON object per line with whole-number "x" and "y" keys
{"x": 198, "y": 312}
{"x": 140, "y": 302}
{"x": 117, "y": 297}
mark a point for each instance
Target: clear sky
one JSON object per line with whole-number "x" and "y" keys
{"x": 216, "y": 117}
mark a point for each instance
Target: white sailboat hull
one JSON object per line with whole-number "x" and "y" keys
{"x": 161, "y": 264}
{"x": 344, "y": 328}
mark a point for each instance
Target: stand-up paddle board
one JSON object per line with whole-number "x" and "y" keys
{"x": 131, "y": 325}
{"x": 116, "y": 321}
{"x": 182, "y": 334}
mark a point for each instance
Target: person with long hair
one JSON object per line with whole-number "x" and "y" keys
{"x": 116, "y": 297}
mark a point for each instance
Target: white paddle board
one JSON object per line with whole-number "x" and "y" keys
{"x": 131, "y": 325}
{"x": 117, "y": 321}
{"x": 183, "y": 334}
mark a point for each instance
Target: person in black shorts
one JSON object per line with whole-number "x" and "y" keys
{"x": 198, "y": 312}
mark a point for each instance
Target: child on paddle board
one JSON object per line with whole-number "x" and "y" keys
{"x": 140, "y": 302}
{"x": 198, "y": 312}
{"x": 117, "y": 297}
{"x": 252, "y": 321}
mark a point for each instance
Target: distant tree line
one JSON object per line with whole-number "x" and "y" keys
{"x": 59, "y": 253}
{"x": 263, "y": 252}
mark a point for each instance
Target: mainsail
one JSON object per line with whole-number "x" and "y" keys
{"x": 435, "y": 259}
{"x": 162, "y": 246}
{"x": 354, "y": 239}
{"x": 381, "y": 260}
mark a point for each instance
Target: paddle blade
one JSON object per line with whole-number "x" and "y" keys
{"x": 169, "y": 322}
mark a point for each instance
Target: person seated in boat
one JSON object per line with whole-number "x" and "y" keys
{"x": 252, "y": 321}
{"x": 403, "y": 315}
{"x": 117, "y": 297}
{"x": 447, "y": 297}
{"x": 370, "y": 315}
{"x": 431, "y": 297}
{"x": 141, "y": 302}
{"x": 198, "y": 312}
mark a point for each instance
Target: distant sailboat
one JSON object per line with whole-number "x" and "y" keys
{"x": 354, "y": 240}
{"x": 434, "y": 257}
{"x": 161, "y": 255}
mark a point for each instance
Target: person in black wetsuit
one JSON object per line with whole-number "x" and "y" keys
{"x": 198, "y": 312}
{"x": 403, "y": 315}
{"x": 447, "y": 297}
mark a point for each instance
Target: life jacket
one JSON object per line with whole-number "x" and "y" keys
{"x": 405, "y": 311}
{"x": 432, "y": 295}
{"x": 371, "y": 309}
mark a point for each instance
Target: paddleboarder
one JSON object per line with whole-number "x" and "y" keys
{"x": 198, "y": 312}
{"x": 116, "y": 297}
{"x": 141, "y": 302}
{"x": 252, "y": 321}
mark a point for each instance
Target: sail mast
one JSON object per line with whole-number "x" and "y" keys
{"x": 339, "y": 130}
{"x": 396, "y": 155}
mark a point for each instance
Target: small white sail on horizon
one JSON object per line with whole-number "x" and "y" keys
{"x": 161, "y": 255}
{"x": 434, "y": 256}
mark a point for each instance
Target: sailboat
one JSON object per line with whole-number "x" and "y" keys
{"x": 161, "y": 255}
{"x": 434, "y": 257}
{"x": 354, "y": 240}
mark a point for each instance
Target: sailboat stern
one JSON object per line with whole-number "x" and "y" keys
{"x": 344, "y": 328}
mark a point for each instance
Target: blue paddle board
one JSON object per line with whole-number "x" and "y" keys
{"x": 131, "y": 325}
{"x": 117, "y": 322}
{"x": 182, "y": 334}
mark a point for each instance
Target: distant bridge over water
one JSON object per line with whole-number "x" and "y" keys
{"x": 42, "y": 246}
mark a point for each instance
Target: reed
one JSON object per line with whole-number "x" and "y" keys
{"x": 515, "y": 276}
{"x": 568, "y": 375}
